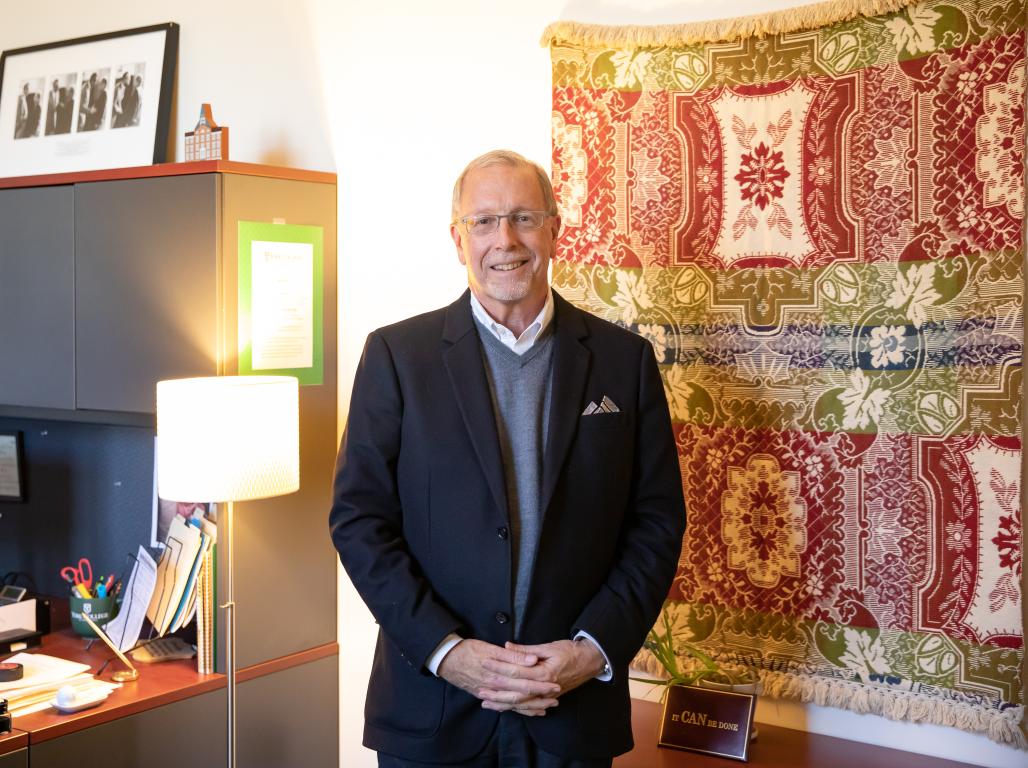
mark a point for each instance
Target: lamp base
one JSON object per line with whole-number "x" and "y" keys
{"x": 125, "y": 676}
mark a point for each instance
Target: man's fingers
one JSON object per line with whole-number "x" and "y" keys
{"x": 543, "y": 702}
{"x": 524, "y": 650}
{"x": 530, "y": 707}
{"x": 525, "y": 687}
{"x": 515, "y": 691}
{"x": 516, "y": 671}
{"x": 496, "y": 706}
{"x": 512, "y": 656}
{"x": 508, "y": 699}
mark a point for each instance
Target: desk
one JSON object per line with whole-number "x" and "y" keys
{"x": 775, "y": 747}
{"x": 174, "y": 716}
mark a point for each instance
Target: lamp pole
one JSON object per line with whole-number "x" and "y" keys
{"x": 230, "y": 636}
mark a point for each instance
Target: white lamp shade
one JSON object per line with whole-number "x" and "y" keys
{"x": 228, "y": 438}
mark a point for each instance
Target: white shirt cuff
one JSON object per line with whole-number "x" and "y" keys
{"x": 607, "y": 673}
{"x": 441, "y": 650}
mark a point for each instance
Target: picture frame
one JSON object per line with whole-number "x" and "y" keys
{"x": 89, "y": 103}
{"x": 12, "y": 466}
{"x": 165, "y": 510}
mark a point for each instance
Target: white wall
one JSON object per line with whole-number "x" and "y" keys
{"x": 253, "y": 62}
{"x": 396, "y": 96}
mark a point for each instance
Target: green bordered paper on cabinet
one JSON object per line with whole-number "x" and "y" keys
{"x": 281, "y": 297}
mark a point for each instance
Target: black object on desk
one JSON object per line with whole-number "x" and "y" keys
{"x": 11, "y": 594}
{"x": 11, "y": 671}
{"x": 14, "y": 640}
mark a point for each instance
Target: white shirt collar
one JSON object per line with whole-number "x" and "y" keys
{"x": 521, "y": 344}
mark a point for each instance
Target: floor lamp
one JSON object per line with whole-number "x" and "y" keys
{"x": 226, "y": 439}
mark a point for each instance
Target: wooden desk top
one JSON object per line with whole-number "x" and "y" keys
{"x": 775, "y": 747}
{"x": 158, "y": 684}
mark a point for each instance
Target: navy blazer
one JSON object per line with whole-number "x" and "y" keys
{"x": 420, "y": 520}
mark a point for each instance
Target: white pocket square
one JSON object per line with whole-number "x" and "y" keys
{"x": 606, "y": 406}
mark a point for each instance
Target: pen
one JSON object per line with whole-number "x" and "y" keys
{"x": 83, "y": 592}
{"x": 110, "y": 644}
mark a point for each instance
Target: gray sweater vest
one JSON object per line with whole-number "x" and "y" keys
{"x": 520, "y": 390}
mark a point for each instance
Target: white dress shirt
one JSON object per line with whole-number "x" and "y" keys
{"x": 517, "y": 344}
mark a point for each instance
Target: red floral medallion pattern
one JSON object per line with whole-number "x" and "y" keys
{"x": 762, "y": 176}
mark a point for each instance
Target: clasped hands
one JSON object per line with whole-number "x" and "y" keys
{"x": 527, "y": 679}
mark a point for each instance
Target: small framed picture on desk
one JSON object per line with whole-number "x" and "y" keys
{"x": 12, "y": 467}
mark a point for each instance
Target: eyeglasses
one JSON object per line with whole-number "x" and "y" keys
{"x": 487, "y": 223}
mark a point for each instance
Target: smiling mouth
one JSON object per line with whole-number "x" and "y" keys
{"x": 508, "y": 267}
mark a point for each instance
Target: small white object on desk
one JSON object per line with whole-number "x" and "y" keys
{"x": 44, "y": 676}
{"x": 69, "y": 700}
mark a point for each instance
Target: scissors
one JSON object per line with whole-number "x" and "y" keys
{"x": 83, "y": 574}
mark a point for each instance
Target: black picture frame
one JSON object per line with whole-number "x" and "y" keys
{"x": 88, "y": 103}
{"x": 12, "y": 466}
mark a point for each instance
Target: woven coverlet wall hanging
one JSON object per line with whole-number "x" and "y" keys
{"x": 816, "y": 217}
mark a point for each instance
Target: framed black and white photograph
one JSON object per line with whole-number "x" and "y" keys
{"x": 12, "y": 469}
{"x": 86, "y": 104}
{"x": 166, "y": 510}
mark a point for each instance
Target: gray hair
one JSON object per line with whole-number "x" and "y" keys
{"x": 514, "y": 160}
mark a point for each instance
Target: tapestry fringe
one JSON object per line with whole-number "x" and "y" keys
{"x": 1002, "y": 727}
{"x": 797, "y": 19}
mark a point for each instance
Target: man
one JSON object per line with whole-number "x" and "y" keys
{"x": 132, "y": 100}
{"x": 52, "y": 101}
{"x": 508, "y": 503}
{"x": 34, "y": 116}
{"x": 97, "y": 106}
{"x": 65, "y": 109}
{"x": 21, "y": 118}
{"x": 117, "y": 115}
{"x": 86, "y": 96}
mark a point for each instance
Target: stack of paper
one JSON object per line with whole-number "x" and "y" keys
{"x": 173, "y": 603}
{"x": 205, "y": 615}
{"x": 124, "y": 628}
{"x": 44, "y": 675}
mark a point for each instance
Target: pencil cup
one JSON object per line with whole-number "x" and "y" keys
{"x": 100, "y": 610}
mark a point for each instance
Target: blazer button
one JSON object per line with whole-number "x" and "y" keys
{"x": 501, "y": 617}
{"x": 501, "y": 532}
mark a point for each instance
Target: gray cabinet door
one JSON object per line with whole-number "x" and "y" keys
{"x": 17, "y": 759}
{"x": 146, "y": 287}
{"x": 285, "y": 719}
{"x": 186, "y": 733}
{"x": 37, "y": 271}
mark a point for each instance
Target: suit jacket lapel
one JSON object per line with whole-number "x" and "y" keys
{"x": 462, "y": 357}
{"x": 570, "y": 368}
